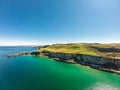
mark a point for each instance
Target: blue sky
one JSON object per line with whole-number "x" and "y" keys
{"x": 25, "y": 22}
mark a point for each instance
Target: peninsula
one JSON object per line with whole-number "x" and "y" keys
{"x": 99, "y": 56}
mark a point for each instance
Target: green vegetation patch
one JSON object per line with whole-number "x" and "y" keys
{"x": 71, "y": 48}
{"x": 93, "y": 49}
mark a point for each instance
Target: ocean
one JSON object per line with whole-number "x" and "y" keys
{"x": 40, "y": 73}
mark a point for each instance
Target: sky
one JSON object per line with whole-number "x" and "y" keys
{"x": 39, "y": 22}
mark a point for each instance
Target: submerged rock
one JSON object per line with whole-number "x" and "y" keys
{"x": 19, "y": 54}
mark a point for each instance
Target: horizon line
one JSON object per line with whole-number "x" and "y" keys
{"x": 61, "y": 43}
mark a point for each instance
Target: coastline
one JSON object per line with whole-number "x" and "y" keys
{"x": 76, "y": 59}
{"x": 91, "y": 66}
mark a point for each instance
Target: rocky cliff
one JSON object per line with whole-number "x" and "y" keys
{"x": 100, "y": 56}
{"x": 106, "y": 64}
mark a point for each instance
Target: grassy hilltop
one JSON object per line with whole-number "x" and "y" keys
{"x": 93, "y": 49}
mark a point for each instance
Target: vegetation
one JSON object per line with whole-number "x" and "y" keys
{"x": 94, "y": 49}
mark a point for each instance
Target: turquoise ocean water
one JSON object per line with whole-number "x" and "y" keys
{"x": 39, "y": 73}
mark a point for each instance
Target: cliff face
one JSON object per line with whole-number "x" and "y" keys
{"x": 93, "y": 61}
{"x": 108, "y": 49}
{"x": 100, "y": 56}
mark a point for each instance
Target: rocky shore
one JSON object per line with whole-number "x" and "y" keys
{"x": 19, "y": 54}
{"x": 100, "y": 63}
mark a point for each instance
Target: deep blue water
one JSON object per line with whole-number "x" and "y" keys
{"x": 7, "y": 50}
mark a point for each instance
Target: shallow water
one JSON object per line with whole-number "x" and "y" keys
{"x": 39, "y": 73}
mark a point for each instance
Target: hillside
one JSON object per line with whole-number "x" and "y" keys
{"x": 92, "y": 49}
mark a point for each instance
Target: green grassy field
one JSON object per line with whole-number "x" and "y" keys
{"x": 94, "y": 49}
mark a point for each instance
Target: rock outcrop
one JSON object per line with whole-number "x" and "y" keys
{"x": 107, "y": 49}
{"x": 19, "y": 54}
